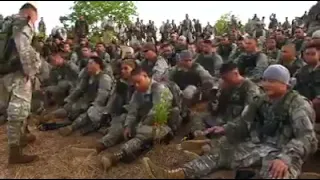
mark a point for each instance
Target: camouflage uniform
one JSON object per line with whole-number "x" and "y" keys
{"x": 225, "y": 51}
{"x": 308, "y": 82}
{"x": 91, "y": 91}
{"x": 287, "y": 134}
{"x": 211, "y": 63}
{"x": 293, "y": 66}
{"x": 189, "y": 80}
{"x": 117, "y": 108}
{"x": 155, "y": 70}
{"x": 253, "y": 65}
{"x": 140, "y": 118}
{"x": 273, "y": 56}
{"x": 17, "y": 85}
{"x": 62, "y": 80}
{"x": 230, "y": 106}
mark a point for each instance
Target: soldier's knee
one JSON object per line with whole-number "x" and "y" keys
{"x": 18, "y": 110}
{"x": 189, "y": 92}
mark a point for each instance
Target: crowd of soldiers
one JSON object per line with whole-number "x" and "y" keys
{"x": 262, "y": 94}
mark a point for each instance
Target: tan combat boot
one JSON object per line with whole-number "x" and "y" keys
{"x": 161, "y": 173}
{"x": 16, "y": 156}
{"x": 309, "y": 175}
{"x": 100, "y": 147}
{"x": 194, "y": 146}
{"x": 66, "y": 131}
{"x": 111, "y": 159}
{"x": 27, "y": 139}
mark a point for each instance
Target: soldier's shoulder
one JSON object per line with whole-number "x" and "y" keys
{"x": 158, "y": 86}
{"x": 300, "y": 101}
{"x": 20, "y": 23}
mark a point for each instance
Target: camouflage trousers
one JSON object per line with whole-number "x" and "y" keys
{"x": 16, "y": 92}
{"x": 58, "y": 92}
{"x": 72, "y": 110}
{"x": 93, "y": 115}
{"x": 115, "y": 133}
{"x": 243, "y": 155}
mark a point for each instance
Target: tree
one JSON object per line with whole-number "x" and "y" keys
{"x": 95, "y": 11}
{"x": 223, "y": 24}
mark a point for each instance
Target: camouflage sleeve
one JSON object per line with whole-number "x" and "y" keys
{"x": 304, "y": 141}
{"x": 262, "y": 64}
{"x": 107, "y": 58}
{"x": 74, "y": 69}
{"x": 170, "y": 73}
{"x": 161, "y": 94}
{"x": 132, "y": 111}
{"x": 111, "y": 101}
{"x": 217, "y": 64}
{"x": 237, "y": 131}
{"x": 44, "y": 73}
{"x": 159, "y": 69}
{"x": 78, "y": 91}
{"x": 204, "y": 75}
{"x": 29, "y": 58}
{"x": 104, "y": 89}
{"x": 74, "y": 58}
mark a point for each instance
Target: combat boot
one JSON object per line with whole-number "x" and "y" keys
{"x": 16, "y": 156}
{"x": 194, "y": 146}
{"x": 27, "y": 139}
{"x": 111, "y": 159}
{"x": 161, "y": 173}
{"x": 100, "y": 147}
{"x": 66, "y": 131}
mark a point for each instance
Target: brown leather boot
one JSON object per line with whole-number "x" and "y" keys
{"x": 161, "y": 173}
{"x": 27, "y": 139}
{"x": 66, "y": 131}
{"x": 100, "y": 147}
{"x": 111, "y": 159}
{"x": 194, "y": 146}
{"x": 16, "y": 156}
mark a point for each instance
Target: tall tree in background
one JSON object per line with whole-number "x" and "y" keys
{"x": 95, "y": 11}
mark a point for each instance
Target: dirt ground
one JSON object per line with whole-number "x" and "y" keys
{"x": 57, "y": 160}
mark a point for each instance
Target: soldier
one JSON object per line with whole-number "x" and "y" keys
{"x": 252, "y": 63}
{"x": 198, "y": 29}
{"x": 154, "y": 65}
{"x": 259, "y": 31}
{"x": 140, "y": 117}
{"x": 239, "y": 50}
{"x": 16, "y": 84}
{"x": 290, "y": 60}
{"x": 63, "y": 78}
{"x": 299, "y": 40}
{"x": 167, "y": 52}
{"x": 273, "y": 22}
{"x": 236, "y": 93}
{"x": 181, "y": 44}
{"x": 281, "y": 39}
{"x": 190, "y": 76}
{"x": 117, "y": 106}
{"x": 272, "y": 51}
{"x": 226, "y": 48}
{"x": 286, "y": 25}
{"x": 209, "y": 58}
{"x": 187, "y": 28}
{"x": 279, "y": 141}
{"x": 42, "y": 27}
{"x": 99, "y": 86}
{"x": 81, "y": 28}
{"x": 208, "y": 31}
{"x": 101, "y": 51}
{"x": 82, "y": 61}
{"x": 89, "y": 97}
{"x": 308, "y": 77}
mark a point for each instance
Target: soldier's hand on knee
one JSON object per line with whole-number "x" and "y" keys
{"x": 278, "y": 169}
{"x": 215, "y": 130}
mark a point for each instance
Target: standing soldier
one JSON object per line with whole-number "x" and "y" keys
{"x": 42, "y": 27}
{"x": 24, "y": 63}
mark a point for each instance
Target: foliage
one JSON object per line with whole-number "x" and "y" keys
{"x": 96, "y": 11}
{"x": 223, "y": 24}
{"x": 162, "y": 110}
